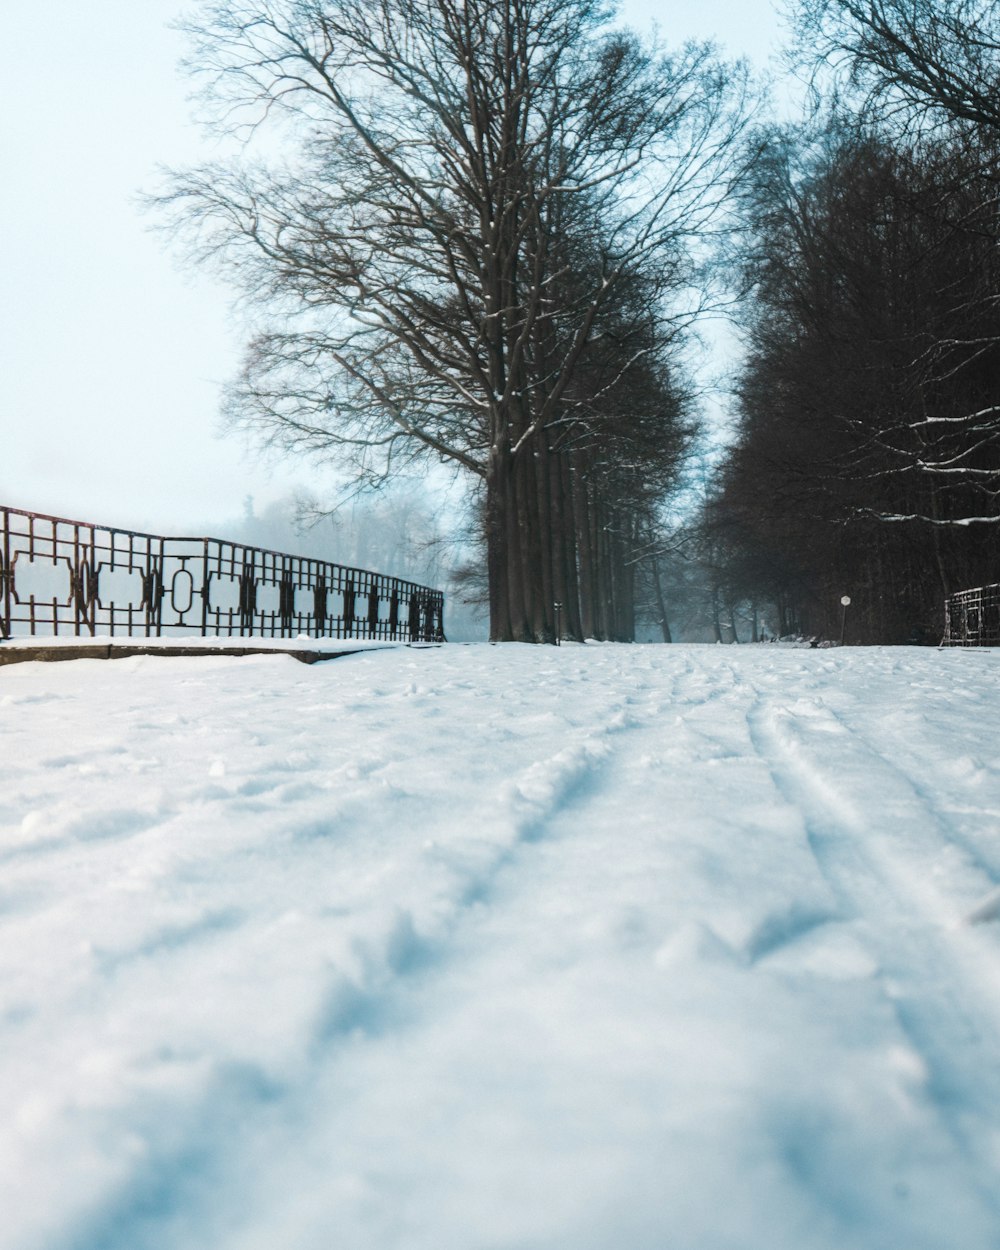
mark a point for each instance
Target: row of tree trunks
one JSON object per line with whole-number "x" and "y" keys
{"x": 555, "y": 538}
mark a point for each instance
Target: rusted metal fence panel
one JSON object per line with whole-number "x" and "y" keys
{"x": 61, "y": 577}
{"x": 972, "y": 618}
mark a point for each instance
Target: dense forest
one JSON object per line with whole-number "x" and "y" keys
{"x": 865, "y": 461}
{"x": 490, "y": 237}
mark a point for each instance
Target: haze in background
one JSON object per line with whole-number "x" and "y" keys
{"x": 111, "y": 354}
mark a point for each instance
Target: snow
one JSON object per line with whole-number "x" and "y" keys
{"x": 213, "y": 642}
{"x": 501, "y": 948}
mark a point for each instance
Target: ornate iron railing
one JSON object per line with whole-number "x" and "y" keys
{"x": 75, "y": 578}
{"x": 972, "y": 618}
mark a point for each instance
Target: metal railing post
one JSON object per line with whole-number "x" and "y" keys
{"x": 5, "y": 576}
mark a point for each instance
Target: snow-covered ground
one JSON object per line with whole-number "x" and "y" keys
{"x": 502, "y": 948}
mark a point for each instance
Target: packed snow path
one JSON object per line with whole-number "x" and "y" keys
{"x": 502, "y": 948}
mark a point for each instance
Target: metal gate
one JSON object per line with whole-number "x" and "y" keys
{"x": 972, "y": 618}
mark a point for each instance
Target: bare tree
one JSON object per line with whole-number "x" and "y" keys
{"x": 926, "y": 75}
{"x": 475, "y": 185}
{"x": 915, "y": 57}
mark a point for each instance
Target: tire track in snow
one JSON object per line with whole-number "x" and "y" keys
{"x": 816, "y": 749}
{"x": 367, "y": 1000}
{"x": 970, "y": 869}
{"x": 362, "y": 1001}
{"x": 862, "y": 818}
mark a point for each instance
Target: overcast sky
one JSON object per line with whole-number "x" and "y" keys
{"x": 111, "y": 355}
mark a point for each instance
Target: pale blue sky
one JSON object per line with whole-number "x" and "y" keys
{"x": 111, "y": 357}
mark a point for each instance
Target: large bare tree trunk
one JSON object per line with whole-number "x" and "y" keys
{"x": 497, "y": 554}
{"x": 564, "y": 548}
{"x": 661, "y": 606}
{"x": 537, "y": 503}
{"x": 581, "y": 513}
